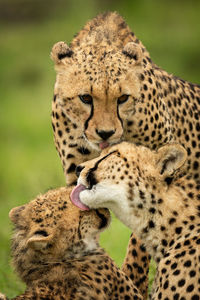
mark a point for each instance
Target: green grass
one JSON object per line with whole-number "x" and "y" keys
{"x": 29, "y": 163}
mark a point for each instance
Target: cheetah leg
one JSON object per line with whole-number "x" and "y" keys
{"x": 136, "y": 265}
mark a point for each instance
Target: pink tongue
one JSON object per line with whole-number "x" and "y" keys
{"x": 103, "y": 145}
{"x": 74, "y": 196}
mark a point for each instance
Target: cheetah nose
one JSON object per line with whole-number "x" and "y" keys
{"x": 105, "y": 134}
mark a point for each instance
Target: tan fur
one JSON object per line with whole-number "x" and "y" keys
{"x": 56, "y": 252}
{"x": 108, "y": 61}
{"x": 150, "y": 193}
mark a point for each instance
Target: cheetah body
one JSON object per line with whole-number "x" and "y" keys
{"x": 150, "y": 193}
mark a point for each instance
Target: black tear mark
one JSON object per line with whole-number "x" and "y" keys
{"x": 90, "y": 177}
{"x": 119, "y": 116}
{"x": 90, "y": 117}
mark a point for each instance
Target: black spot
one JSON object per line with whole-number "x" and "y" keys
{"x": 72, "y": 168}
{"x": 78, "y": 170}
{"x": 187, "y": 263}
{"x": 134, "y": 253}
{"x": 192, "y": 273}
{"x": 181, "y": 282}
{"x": 166, "y": 284}
{"x": 168, "y": 180}
{"x": 133, "y": 241}
{"x": 129, "y": 123}
{"x": 172, "y": 220}
{"x": 131, "y": 56}
{"x": 39, "y": 220}
{"x": 72, "y": 145}
{"x": 151, "y": 224}
{"x": 69, "y": 53}
{"x": 190, "y": 288}
{"x": 174, "y": 266}
{"x": 152, "y": 210}
{"x": 83, "y": 151}
{"x": 60, "y": 133}
{"x": 178, "y": 230}
{"x": 70, "y": 155}
{"x": 164, "y": 243}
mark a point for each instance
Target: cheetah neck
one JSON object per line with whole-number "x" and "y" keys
{"x": 56, "y": 269}
{"x": 174, "y": 216}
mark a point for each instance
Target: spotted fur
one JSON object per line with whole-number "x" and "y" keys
{"x": 108, "y": 89}
{"x": 151, "y": 192}
{"x": 56, "y": 252}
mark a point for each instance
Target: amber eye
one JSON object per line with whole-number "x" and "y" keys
{"x": 122, "y": 99}
{"x": 87, "y": 99}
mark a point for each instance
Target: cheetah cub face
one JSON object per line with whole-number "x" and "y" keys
{"x": 125, "y": 177}
{"x": 51, "y": 229}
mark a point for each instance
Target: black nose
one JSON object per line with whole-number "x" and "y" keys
{"x": 78, "y": 170}
{"x": 105, "y": 134}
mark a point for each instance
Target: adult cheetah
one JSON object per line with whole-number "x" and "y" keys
{"x": 151, "y": 194}
{"x": 56, "y": 252}
{"x": 108, "y": 90}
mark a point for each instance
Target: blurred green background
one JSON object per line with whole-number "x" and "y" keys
{"x": 170, "y": 30}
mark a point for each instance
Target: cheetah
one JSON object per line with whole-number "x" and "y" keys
{"x": 56, "y": 252}
{"x": 149, "y": 191}
{"x": 109, "y": 90}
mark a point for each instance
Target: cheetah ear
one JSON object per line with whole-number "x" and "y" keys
{"x": 39, "y": 240}
{"x": 59, "y": 51}
{"x": 170, "y": 158}
{"x": 15, "y": 213}
{"x": 133, "y": 51}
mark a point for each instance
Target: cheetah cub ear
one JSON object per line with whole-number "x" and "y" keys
{"x": 59, "y": 51}
{"x": 39, "y": 240}
{"x": 170, "y": 158}
{"x": 15, "y": 214}
{"x": 133, "y": 51}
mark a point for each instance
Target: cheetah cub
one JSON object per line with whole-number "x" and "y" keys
{"x": 56, "y": 252}
{"x": 148, "y": 191}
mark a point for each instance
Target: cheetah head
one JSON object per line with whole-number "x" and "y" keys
{"x": 50, "y": 229}
{"x": 93, "y": 92}
{"x": 124, "y": 178}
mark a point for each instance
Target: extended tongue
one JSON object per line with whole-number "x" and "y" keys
{"x": 74, "y": 196}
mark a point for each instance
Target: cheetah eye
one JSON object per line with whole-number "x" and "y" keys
{"x": 122, "y": 99}
{"x": 87, "y": 99}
